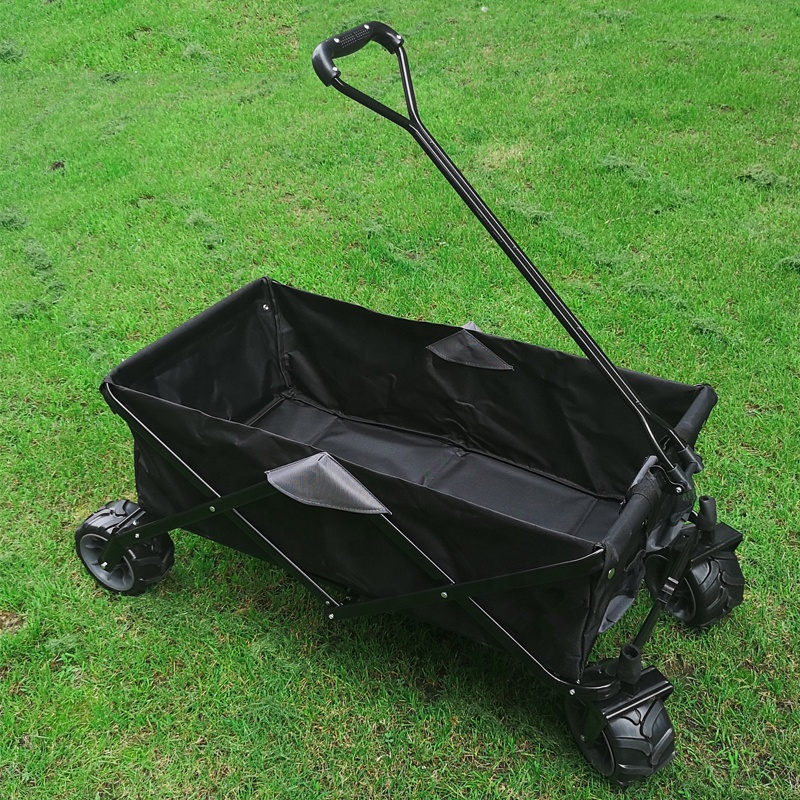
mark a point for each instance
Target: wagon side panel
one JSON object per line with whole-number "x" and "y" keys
{"x": 468, "y": 542}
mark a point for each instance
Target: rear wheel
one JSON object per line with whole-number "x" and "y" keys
{"x": 709, "y": 590}
{"x": 142, "y": 565}
{"x": 631, "y": 746}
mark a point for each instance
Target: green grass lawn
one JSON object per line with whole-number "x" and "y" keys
{"x": 156, "y": 156}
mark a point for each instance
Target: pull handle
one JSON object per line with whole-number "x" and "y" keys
{"x": 678, "y": 473}
{"x": 350, "y": 42}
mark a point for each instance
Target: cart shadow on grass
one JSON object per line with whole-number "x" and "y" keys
{"x": 513, "y": 494}
{"x": 410, "y": 665}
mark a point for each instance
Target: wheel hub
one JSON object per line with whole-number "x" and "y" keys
{"x": 120, "y": 579}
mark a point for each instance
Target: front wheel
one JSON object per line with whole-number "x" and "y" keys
{"x": 144, "y": 564}
{"x": 709, "y": 590}
{"x": 630, "y": 747}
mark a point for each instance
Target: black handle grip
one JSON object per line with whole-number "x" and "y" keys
{"x": 349, "y": 42}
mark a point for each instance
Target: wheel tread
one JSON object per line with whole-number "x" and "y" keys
{"x": 632, "y": 746}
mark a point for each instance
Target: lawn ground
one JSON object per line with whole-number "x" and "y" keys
{"x": 156, "y": 156}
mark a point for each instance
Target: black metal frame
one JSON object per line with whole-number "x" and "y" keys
{"x": 678, "y": 472}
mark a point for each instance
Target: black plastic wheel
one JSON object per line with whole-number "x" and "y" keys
{"x": 143, "y": 565}
{"x": 709, "y": 590}
{"x": 630, "y": 747}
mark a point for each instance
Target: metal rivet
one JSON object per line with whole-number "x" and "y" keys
{"x": 583, "y": 738}
{"x": 212, "y": 509}
{"x": 444, "y": 595}
{"x": 572, "y": 693}
{"x": 367, "y": 27}
{"x": 336, "y": 39}
{"x": 136, "y": 535}
{"x": 265, "y": 307}
{"x": 678, "y": 490}
{"x": 330, "y": 616}
{"x": 611, "y": 573}
{"x": 104, "y": 564}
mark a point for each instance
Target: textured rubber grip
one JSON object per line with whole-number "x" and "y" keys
{"x": 349, "y": 42}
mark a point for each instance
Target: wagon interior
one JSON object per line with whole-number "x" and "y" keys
{"x": 530, "y": 433}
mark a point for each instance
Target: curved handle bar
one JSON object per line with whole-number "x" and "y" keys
{"x": 349, "y": 42}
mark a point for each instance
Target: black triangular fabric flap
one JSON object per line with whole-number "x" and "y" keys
{"x": 320, "y": 480}
{"x": 463, "y": 348}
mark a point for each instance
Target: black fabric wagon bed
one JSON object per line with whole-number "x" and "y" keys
{"x": 493, "y": 456}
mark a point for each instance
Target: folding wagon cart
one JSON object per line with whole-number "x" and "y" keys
{"x": 515, "y": 494}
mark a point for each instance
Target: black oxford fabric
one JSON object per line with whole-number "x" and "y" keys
{"x": 492, "y": 455}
